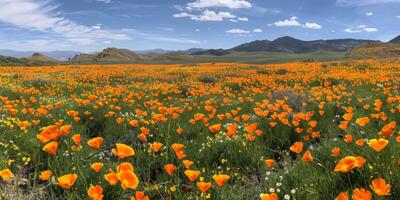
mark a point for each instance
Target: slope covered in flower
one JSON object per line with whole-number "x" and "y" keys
{"x": 209, "y": 131}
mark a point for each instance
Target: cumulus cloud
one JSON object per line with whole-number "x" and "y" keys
{"x": 288, "y": 22}
{"x": 207, "y": 15}
{"x": 104, "y": 1}
{"x": 42, "y": 16}
{"x": 237, "y": 31}
{"x": 232, "y": 4}
{"x": 360, "y": 29}
{"x": 257, "y": 30}
{"x": 312, "y": 25}
{"x": 369, "y": 13}
{"x": 293, "y": 21}
{"x": 243, "y": 19}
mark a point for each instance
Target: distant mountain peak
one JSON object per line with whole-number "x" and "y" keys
{"x": 286, "y": 39}
{"x": 395, "y": 40}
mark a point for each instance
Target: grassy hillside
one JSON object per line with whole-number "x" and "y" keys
{"x": 255, "y": 57}
{"x": 10, "y": 61}
{"x": 375, "y": 51}
{"x": 176, "y": 58}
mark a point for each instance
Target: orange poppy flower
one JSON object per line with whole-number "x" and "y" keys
{"x": 348, "y": 163}
{"x": 51, "y": 148}
{"x": 45, "y": 175}
{"x": 179, "y": 131}
{"x": 139, "y": 195}
{"x": 192, "y": 174}
{"x": 169, "y": 168}
{"x": 76, "y": 139}
{"x": 307, "y": 157}
{"x": 125, "y": 166}
{"x": 313, "y": 124}
{"x": 128, "y": 179}
{"x": 187, "y": 163}
{"x": 378, "y": 144}
{"x": 134, "y": 123}
{"x": 348, "y": 138}
{"x": 297, "y": 147}
{"x": 231, "y": 130}
{"x": 272, "y": 196}
{"x": 220, "y": 179}
{"x": 360, "y": 142}
{"x": 344, "y": 125}
{"x": 342, "y": 196}
{"x": 97, "y": 166}
{"x": 361, "y": 194}
{"x": 96, "y": 142}
{"x": 180, "y": 155}
{"x": 95, "y": 192}
{"x": 388, "y": 129}
{"x": 362, "y": 121}
{"x": 380, "y": 187}
{"x": 156, "y": 146}
{"x": 6, "y": 174}
{"x": 270, "y": 163}
{"x": 111, "y": 178}
{"x": 215, "y": 128}
{"x": 123, "y": 151}
{"x": 203, "y": 186}
{"x": 177, "y": 147}
{"x": 335, "y": 152}
{"x": 66, "y": 129}
{"x": 67, "y": 180}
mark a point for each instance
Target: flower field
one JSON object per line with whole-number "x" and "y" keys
{"x": 208, "y": 131}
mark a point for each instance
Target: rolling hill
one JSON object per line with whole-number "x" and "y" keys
{"x": 58, "y": 55}
{"x": 34, "y": 60}
{"x": 375, "y": 51}
{"x": 109, "y": 55}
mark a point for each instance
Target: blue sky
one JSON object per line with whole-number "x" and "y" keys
{"x": 90, "y": 25}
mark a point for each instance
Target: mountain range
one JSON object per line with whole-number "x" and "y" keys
{"x": 292, "y": 45}
{"x": 280, "y": 47}
{"x": 58, "y": 55}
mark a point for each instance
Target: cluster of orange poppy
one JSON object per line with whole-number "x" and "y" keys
{"x": 121, "y": 131}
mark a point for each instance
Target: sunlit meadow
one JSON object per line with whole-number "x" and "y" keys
{"x": 209, "y": 131}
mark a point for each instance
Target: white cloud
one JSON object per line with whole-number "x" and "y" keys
{"x": 369, "y": 13}
{"x": 350, "y": 30}
{"x": 398, "y": 16}
{"x": 97, "y": 27}
{"x": 243, "y": 19}
{"x": 288, "y": 22}
{"x": 363, "y": 2}
{"x": 360, "y": 29}
{"x": 207, "y": 15}
{"x": 104, "y": 1}
{"x": 237, "y": 31}
{"x": 293, "y": 21}
{"x": 197, "y": 30}
{"x": 370, "y": 30}
{"x": 257, "y": 30}
{"x": 232, "y": 4}
{"x": 312, "y": 25}
{"x": 42, "y": 16}
{"x": 182, "y": 14}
